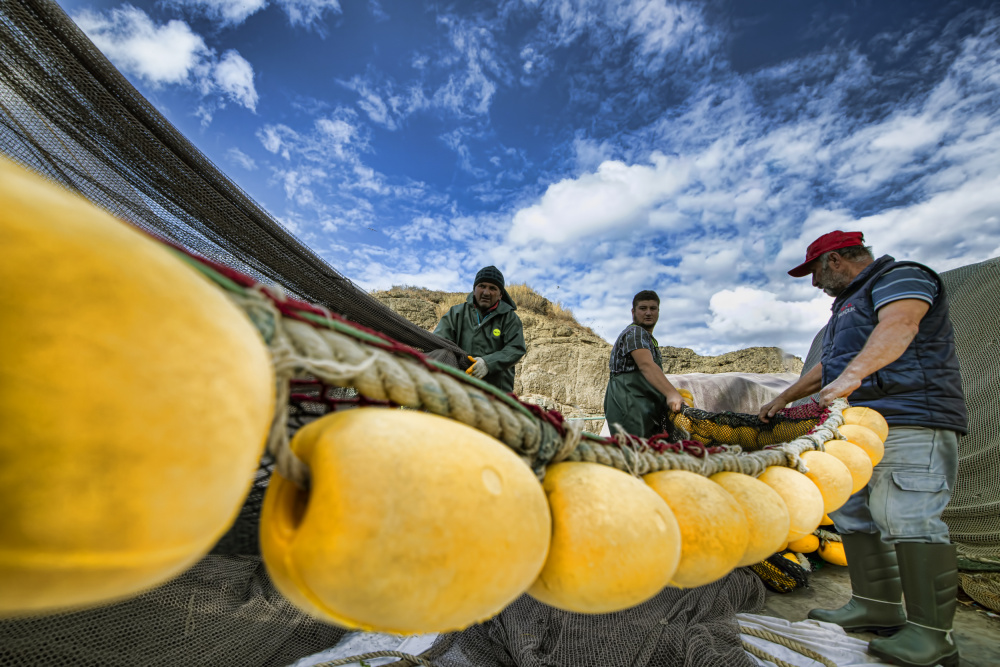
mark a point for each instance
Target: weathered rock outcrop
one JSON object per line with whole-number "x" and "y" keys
{"x": 566, "y": 367}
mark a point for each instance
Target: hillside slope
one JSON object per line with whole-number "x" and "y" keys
{"x": 566, "y": 366}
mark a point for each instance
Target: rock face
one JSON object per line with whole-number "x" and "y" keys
{"x": 566, "y": 366}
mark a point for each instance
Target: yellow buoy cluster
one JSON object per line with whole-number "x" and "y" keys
{"x": 134, "y": 403}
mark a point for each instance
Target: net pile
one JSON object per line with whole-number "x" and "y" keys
{"x": 694, "y": 628}
{"x": 223, "y": 611}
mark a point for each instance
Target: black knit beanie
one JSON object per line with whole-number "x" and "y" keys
{"x": 489, "y": 274}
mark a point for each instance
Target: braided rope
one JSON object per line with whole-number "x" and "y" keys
{"x": 344, "y": 360}
{"x": 827, "y": 536}
{"x": 307, "y": 340}
{"x": 787, "y": 642}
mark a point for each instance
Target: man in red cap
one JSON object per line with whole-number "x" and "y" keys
{"x": 889, "y": 345}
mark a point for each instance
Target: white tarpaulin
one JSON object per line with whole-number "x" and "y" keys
{"x": 826, "y": 639}
{"x": 730, "y": 392}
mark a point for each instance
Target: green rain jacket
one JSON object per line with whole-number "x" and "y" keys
{"x": 498, "y": 338}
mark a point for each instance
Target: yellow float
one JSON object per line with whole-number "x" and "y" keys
{"x": 866, "y": 439}
{"x": 870, "y": 419}
{"x": 804, "y": 545}
{"x": 134, "y": 403}
{"x": 413, "y": 523}
{"x": 856, "y": 460}
{"x": 766, "y": 513}
{"x": 831, "y": 477}
{"x": 714, "y": 529}
{"x": 615, "y": 543}
{"x": 803, "y": 500}
{"x": 833, "y": 552}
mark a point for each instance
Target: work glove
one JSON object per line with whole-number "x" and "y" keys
{"x": 478, "y": 369}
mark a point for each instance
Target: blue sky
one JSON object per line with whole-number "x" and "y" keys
{"x": 592, "y": 148}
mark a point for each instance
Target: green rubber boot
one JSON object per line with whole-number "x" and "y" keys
{"x": 930, "y": 584}
{"x": 875, "y": 603}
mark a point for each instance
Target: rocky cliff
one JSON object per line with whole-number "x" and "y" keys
{"x": 566, "y": 366}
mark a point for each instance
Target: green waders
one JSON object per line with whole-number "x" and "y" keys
{"x": 875, "y": 604}
{"x": 635, "y": 404}
{"x": 930, "y": 587}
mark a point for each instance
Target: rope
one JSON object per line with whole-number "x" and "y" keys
{"x": 781, "y": 640}
{"x": 404, "y": 659}
{"x": 827, "y": 536}
{"x": 764, "y": 655}
{"x": 306, "y": 340}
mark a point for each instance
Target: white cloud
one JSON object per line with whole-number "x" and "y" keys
{"x": 241, "y": 158}
{"x": 170, "y": 54}
{"x": 228, "y": 12}
{"x": 748, "y": 317}
{"x": 233, "y": 75}
{"x": 308, "y": 12}
{"x": 615, "y": 197}
{"x": 159, "y": 54}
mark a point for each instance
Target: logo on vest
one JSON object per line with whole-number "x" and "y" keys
{"x": 496, "y": 332}
{"x": 849, "y": 308}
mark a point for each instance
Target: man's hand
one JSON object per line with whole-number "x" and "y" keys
{"x": 842, "y": 387}
{"x": 675, "y": 401}
{"x": 478, "y": 369}
{"x": 772, "y": 408}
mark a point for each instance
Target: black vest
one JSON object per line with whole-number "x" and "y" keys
{"x": 921, "y": 388}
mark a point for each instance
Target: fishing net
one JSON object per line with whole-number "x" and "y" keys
{"x": 780, "y": 574}
{"x": 973, "y": 515}
{"x": 223, "y": 611}
{"x": 748, "y": 431}
{"x": 694, "y": 628}
{"x": 68, "y": 114}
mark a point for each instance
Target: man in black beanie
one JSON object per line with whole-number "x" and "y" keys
{"x": 488, "y": 329}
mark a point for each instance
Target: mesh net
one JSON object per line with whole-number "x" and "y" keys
{"x": 223, "y": 611}
{"x": 748, "y": 431}
{"x": 973, "y": 516}
{"x": 693, "y": 627}
{"x": 67, "y": 113}
{"x": 780, "y": 574}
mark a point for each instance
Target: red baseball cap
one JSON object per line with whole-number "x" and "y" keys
{"x": 832, "y": 241}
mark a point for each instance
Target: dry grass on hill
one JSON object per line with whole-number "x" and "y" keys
{"x": 529, "y": 300}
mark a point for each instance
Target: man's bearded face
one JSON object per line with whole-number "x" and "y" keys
{"x": 486, "y": 295}
{"x": 827, "y": 278}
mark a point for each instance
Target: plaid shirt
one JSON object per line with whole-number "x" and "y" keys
{"x": 632, "y": 338}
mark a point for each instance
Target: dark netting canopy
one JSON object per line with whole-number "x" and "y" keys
{"x": 66, "y": 112}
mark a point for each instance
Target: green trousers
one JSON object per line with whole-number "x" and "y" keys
{"x": 635, "y": 404}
